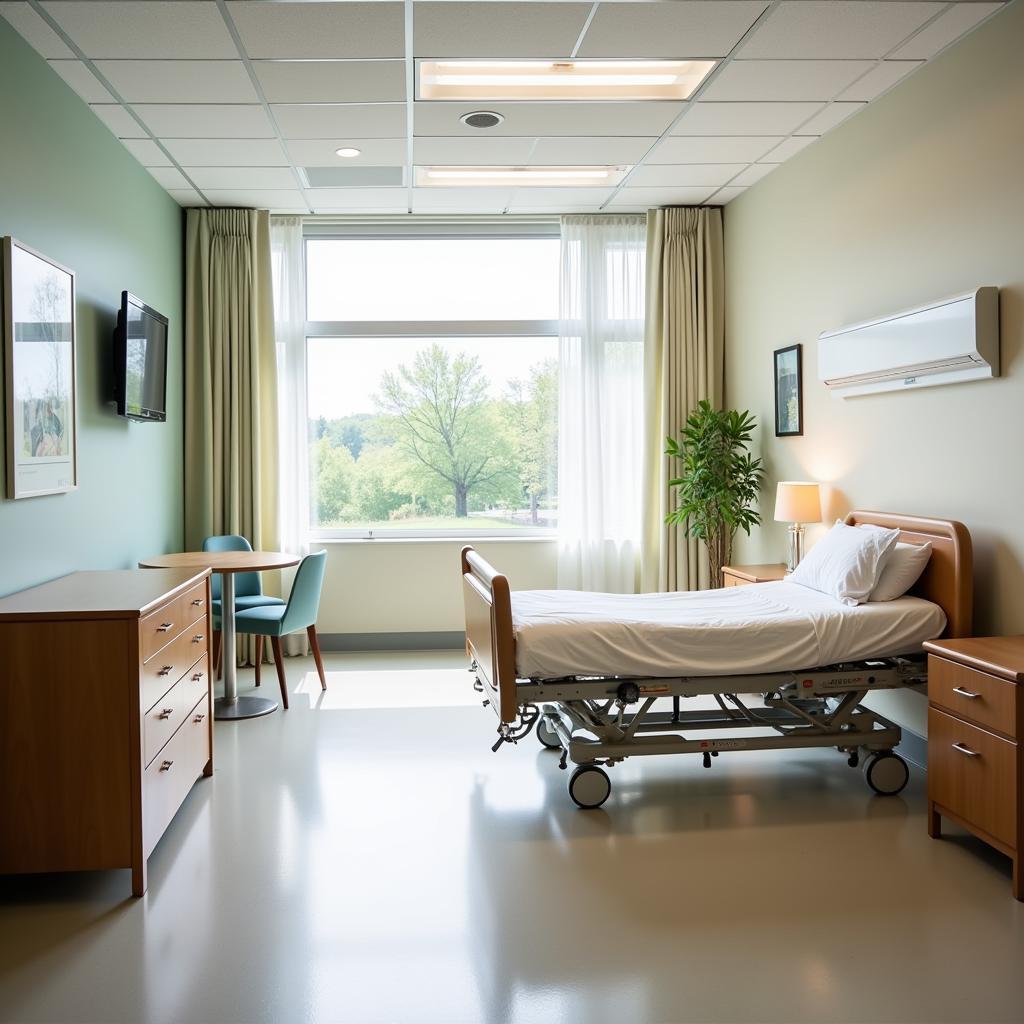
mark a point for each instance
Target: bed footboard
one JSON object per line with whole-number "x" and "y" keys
{"x": 490, "y": 638}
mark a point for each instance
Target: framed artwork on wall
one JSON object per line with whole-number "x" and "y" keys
{"x": 789, "y": 391}
{"x": 39, "y": 373}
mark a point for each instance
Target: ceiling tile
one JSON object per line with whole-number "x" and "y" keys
{"x": 960, "y": 18}
{"x": 372, "y": 152}
{"x": 665, "y": 175}
{"x": 332, "y": 120}
{"x": 186, "y": 197}
{"x": 548, "y": 198}
{"x": 241, "y": 177}
{"x": 832, "y": 115}
{"x": 648, "y": 197}
{"x": 169, "y": 177}
{"x": 478, "y": 30}
{"x": 275, "y": 200}
{"x": 179, "y": 81}
{"x": 724, "y": 195}
{"x": 135, "y": 28}
{"x": 147, "y": 152}
{"x": 82, "y": 80}
{"x": 475, "y": 152}
{"x": 298, "y": 30}
{"x": 576, "y": 151}
{"x": 205, "y": 120}
{"x": 744, "y": 118}
{"x": 549, "y": 119}
{"x": 753, "y": 174}
{"x": 358, "y": 198}
{"x": 784, "y": 79}
{"x": 227, "y": 152}
{"x": 118, "y": 120}
{"x": 35, "y": 31}
{"x": 670, "y": 30}
{"x": 460, "y": 200}
{"x": 697, "y": 150}
{"x": 340, "y": 81}
{"x": 836, "y": 28}
{"x": 789, "y": 148}
{"x": 875, "y": 82}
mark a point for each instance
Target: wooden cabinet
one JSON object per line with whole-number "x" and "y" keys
{"x": 741, "y": 575}
{"x": 975, "y": 723}
{"x": 105, "y": 719}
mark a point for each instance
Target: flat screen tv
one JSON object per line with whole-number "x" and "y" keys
{"x": 140, "y": 361}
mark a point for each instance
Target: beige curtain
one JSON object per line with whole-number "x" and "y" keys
{"x": 684, "y": 362}
{"x": 231, "y": 480}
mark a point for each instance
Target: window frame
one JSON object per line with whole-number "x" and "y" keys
{"x": 343, "y": 329}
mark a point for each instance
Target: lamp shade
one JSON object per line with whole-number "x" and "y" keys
{"x": 797, "y": 502}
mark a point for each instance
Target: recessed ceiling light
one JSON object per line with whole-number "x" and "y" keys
{"x": 496, "y": 177}
{"x": 348, "y": 152}
{"x": 561, "y": 80}
{"x": 482, "y": 119}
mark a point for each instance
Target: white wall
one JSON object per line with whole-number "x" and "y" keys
{"x": 919, "y": 197}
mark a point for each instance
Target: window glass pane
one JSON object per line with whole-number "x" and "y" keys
{"x": 433, "y": 433}
{"x": 432, "y": 279}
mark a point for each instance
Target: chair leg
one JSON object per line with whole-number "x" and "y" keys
{"x": 314, "y": 643}
{"x": 259, "y": 656}
{"x": 275, "y": 643}
{"x": 217, "y": 644}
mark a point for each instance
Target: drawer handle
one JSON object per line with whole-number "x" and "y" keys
{"x": 166, "y": 670}
{"x": 197, "y": 677}
{"x": 165, "y": 713}
{"x": 965, "y": 693}
{"x": 166, "y": 766}
{"x": 966, "y": 751}
{"x": 198, "y": 718}
{"x": 198, "y": 638}
{"x": 197, "y": 603}
{"x": 164, "y": 627}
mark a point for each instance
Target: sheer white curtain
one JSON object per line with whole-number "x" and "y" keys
{"x": 288, "y": 268}
{"x": 600, "y": 436}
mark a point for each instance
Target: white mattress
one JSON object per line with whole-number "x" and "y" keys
{"x": 766, "y": 627}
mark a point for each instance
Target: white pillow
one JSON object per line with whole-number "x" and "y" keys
{"x": 845, "y": 563}
{"x": 901, "y": 571}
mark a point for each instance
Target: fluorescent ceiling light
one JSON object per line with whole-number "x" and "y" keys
{"x": 561, "y": 80}
{"x": 551, "y": 177}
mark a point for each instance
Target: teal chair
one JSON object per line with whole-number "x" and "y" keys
{"x": 277, "y": 621}
{"x": 248, "y": 587}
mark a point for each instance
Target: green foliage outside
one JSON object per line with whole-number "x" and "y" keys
{"x": 439, "y": 446}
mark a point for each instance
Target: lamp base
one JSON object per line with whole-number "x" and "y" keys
{"x": 796, "y": 546}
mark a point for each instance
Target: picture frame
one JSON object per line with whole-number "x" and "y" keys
{"x": 789, "y": 391}
{"x": 40, "y": 369}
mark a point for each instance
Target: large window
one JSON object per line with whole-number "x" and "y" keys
{"x": 432, "y": 383}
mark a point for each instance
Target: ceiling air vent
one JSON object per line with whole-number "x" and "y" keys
{"x": 482, "y": 119}
{"x": 354, "y": 177}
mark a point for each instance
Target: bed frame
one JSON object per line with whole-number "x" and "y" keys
{"x": 818, "y": 706}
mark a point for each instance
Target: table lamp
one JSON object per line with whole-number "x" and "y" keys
{"x": 797, "y": 503}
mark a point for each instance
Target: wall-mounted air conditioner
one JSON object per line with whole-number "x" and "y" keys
{"x": 953, "y": 340}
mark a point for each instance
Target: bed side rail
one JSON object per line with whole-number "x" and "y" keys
{"x": 490, "y": 638}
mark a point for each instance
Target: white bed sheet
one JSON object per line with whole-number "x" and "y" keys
{"x": 764, "y": 627}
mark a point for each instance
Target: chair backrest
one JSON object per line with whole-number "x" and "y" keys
{"x": 304, "y": 600}
{"x": 247, "y": 584}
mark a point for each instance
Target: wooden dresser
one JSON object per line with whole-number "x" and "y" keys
{"x": 105, "y": 716}
{"x": 975, "y": 724}
{"x": 741, "y": 575}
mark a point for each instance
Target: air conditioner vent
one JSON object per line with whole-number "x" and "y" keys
{"x": 354, "y": 177}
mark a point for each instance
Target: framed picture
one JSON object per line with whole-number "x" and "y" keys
{"x": 789, "y": 392}
{"x": 39, "y": 373}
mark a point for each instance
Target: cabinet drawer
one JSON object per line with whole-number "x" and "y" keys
{"x": 973, "y": 774}
{"x": 172, "y": 774}
{"x": 195, "y": 685}
{"x": 158, "y": 674}
{"x": 976, "y": 696}
{"x": 173, "y": 707}
{"x": 160, "y": 627}
{"x": 733, "y": 581}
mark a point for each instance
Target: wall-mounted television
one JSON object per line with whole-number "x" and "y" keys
{"x": 140, "y": 361}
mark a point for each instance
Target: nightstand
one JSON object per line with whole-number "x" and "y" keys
{"x": 741, "y": 575}
{"x": 975, "y": 719}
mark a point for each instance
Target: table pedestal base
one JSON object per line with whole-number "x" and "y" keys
{"x": 242, "y": 707}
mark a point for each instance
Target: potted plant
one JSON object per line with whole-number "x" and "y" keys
{"x": 719, "y": 482}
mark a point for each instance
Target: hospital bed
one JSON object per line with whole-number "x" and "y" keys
{"x": 603, "y": 677}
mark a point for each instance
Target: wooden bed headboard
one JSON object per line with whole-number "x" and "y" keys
{"x": 948, "y": 580}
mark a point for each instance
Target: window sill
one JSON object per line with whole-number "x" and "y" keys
{"x": 549, "y": 538}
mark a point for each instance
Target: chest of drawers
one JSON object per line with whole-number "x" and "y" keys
{"x": 105, "y": 717}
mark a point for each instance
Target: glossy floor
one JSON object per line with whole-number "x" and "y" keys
{"x": 364, "y": 857}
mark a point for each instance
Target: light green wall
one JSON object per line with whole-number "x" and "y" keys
{"x": 919, "y": 197}
{"x": 69, "y": 189}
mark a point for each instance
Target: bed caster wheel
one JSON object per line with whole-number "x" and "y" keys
{"x": 589, "y": 786}
{"x": 547, "y": 735}
{"x": 853, "y": 760}
{"x": 887, "y": 773}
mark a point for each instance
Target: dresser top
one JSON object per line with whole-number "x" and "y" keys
{"x": 998, "y": 655}
{"x": 110, "y": 594}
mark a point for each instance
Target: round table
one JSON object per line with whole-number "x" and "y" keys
{"x": 227, "y": 563}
